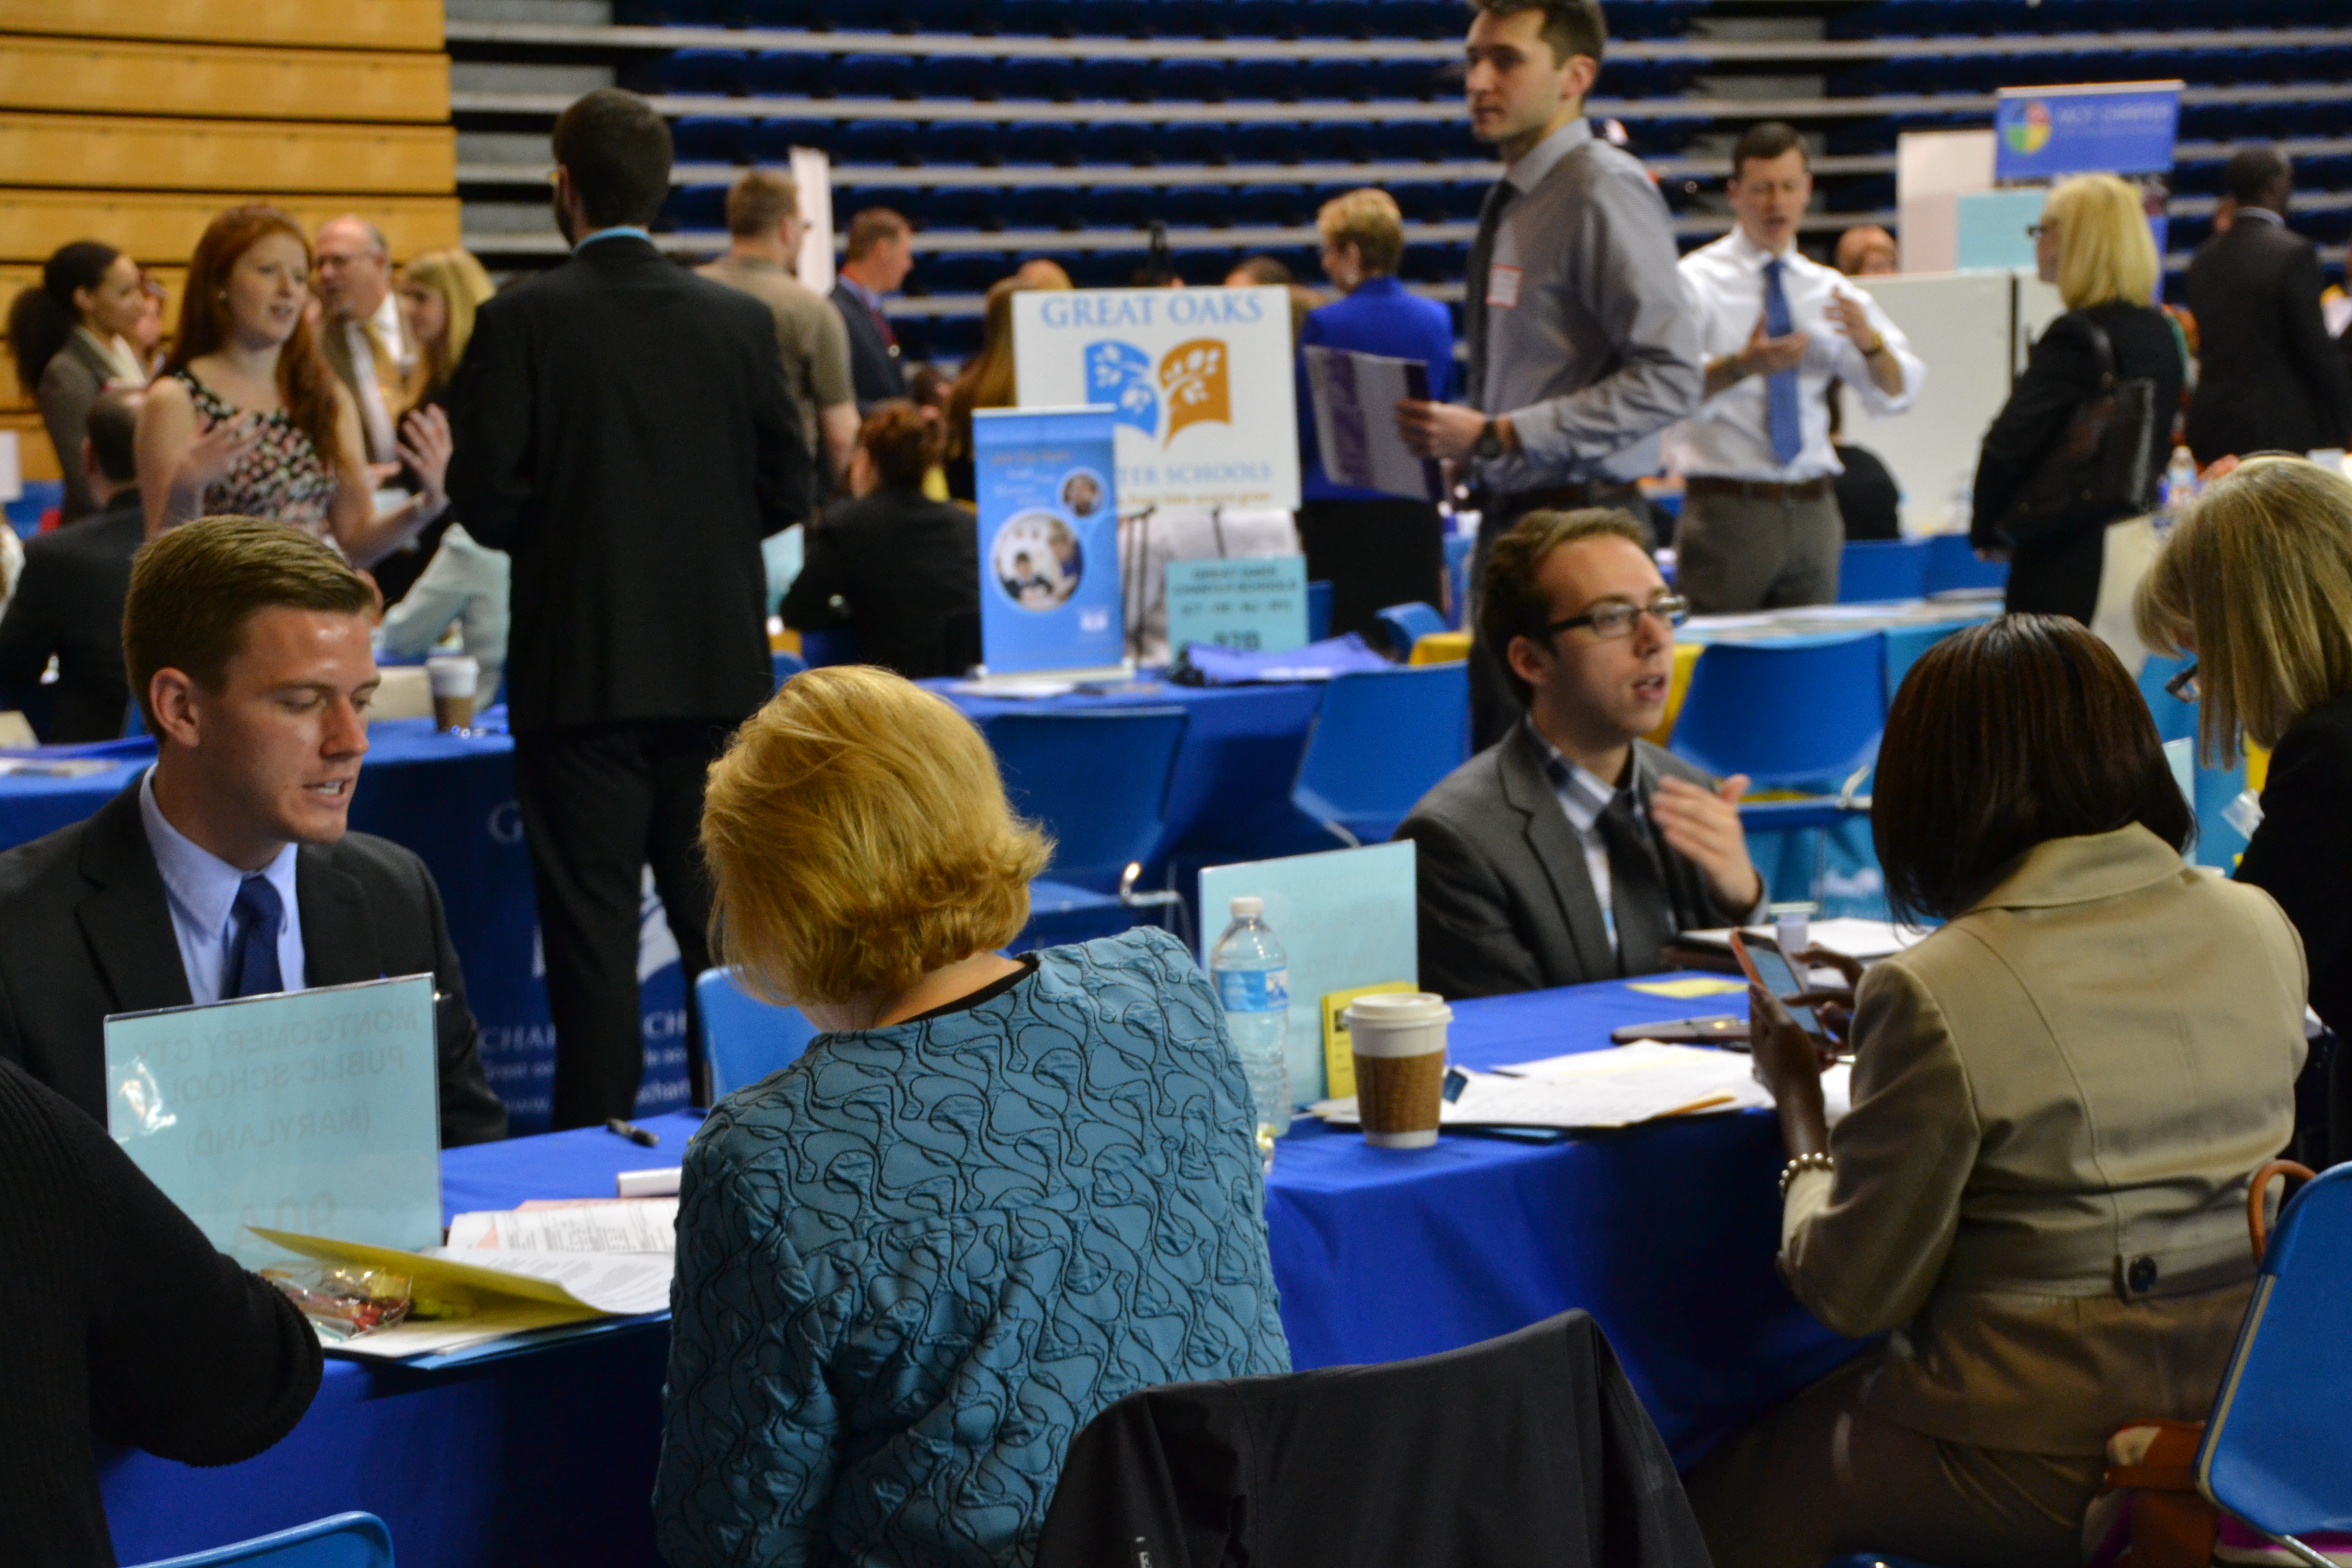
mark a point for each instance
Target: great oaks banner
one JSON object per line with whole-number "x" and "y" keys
{"x": 1199, "y": 381}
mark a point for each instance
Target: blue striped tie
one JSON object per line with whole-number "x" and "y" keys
{"x": 1780, "y": 408}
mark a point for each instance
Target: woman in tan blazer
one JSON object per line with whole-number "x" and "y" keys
{"x": 2058, "y": 1098}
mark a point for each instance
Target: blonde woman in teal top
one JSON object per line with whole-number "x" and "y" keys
{"x": 993, "y": 1196}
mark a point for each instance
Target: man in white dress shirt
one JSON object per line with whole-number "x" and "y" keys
{"x": 362, "y": 337}
{"x": 1759, "y": 526}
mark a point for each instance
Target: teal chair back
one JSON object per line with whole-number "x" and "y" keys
{"x": 1406, "y": 624}
{"x": 1872, "y": 570}
{"x": 1805, "y": 711}
{"x": 343, "y": 1541}
{"x": 1382, "y": 739}
{"x": 744, "y": 1038}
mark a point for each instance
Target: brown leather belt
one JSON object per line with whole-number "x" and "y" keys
{"x": 1757, "y": 489}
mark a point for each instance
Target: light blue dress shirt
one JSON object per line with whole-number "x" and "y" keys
{"x": 619, "y": 228}
{"x": 200, "y": 886}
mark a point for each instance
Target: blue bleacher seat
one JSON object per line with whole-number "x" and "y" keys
{"x": 1119, "y": 142}
{"x": 788, "y": 73}
{"x": 697, "y": 71}
{"x": 1262, "y": 18}
{"x": 1105, "y": 269}
{"x": 875, "y": 141}
{"x": 1037, "y": 75}
{"x": 1189, "y": 142}
{"x": 873, "y": 75}
{"x": 1380, "y": 741}
{"x": 972, "y": 77}
{"x": 1276, "y": 79}
{"x": 1335, "y": 19}
{"x": 1406, "y": 624}
{"x": 343, "y": 1540}
{"x": 965, "y": 271}
{"x": 1112, "y": 81}
{"x": 695, "y": 206}
{"x": 1264, "y": 141}
{"x": 1040, "y": 206}
{"x": 907, "y": 201}
{"x": 773, "y": 141}
{"x": 1413, "y": 79}
{"x": 1422, "y": 201}
{"x": 1119, "y": 207}
{"x": 1871, "y": 570}
{"x": 1279, "y": 205}
{"x": 711, "y": 139}
{"x": 1187, "y": 18}
{"x": 1198, "y": 81}
{"x": 1335, "y": 142}
{"x": 1417, "y": 19}
{"x": 950, "y": 15}
{"x": 1096, "y": 781}
{"x": 1197, "y": 206}
{"x": 1044, "y": 18}
{"x": 1111, "y": 18}
{"x": 1338, "y": 79}
{"x": 961, "y": 206}
{"x": 744, "y": 1038}
{"x": 1040, "y": 141}
{"x": 1786, "y": 714}
{"x": 959, "y": 142}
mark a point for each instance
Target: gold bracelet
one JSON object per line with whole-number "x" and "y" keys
{"x": 1816, "y": 1160}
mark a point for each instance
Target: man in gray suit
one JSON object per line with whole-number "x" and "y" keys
{"x": 1572, "y": 849}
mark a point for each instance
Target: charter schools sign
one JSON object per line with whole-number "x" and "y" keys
{"x": 1199, "y": 382}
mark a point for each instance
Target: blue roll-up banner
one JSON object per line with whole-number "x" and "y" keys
{"x": 2040, "y": 134}
{"x": 1049, "y": 583}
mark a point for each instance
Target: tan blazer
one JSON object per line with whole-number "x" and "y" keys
{"x": 2040, "y": 1189}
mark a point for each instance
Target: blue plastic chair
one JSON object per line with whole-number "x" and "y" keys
{"x": 743, "y": 1038}
{"x": 1952, "y": 564}
{"x": 1098, "y": 781}
{"x": 1319, "y": 611}
{"x": 1877, "y": 569}
{"x": 1786, "y": 714}
{"x": 2277, "y": 1448}
{"x": 1407, "y": 625}
{"x": 342, "y": 1541}
{"x": 838, "y": 645}
{"x": 1380, "y": 741}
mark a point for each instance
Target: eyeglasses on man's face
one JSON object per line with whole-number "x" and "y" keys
{"x": 1614, "y": 618}
{"x": 2183, "y": 686}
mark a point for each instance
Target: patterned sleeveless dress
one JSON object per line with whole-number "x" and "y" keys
{"x": 282, "y": 476}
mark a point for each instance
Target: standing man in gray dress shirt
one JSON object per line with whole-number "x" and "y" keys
{"x": 1582, "y": 346}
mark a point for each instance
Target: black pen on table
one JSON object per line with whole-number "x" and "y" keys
{"x": 635, "y": 1134}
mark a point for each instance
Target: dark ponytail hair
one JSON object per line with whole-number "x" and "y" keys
{"x": 43, "y": 318}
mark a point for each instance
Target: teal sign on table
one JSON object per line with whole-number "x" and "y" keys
{"x": 1049, "y": 583}
{"x": 316, "y": 1112}
{"x": 1345, "y": 919}
{"x": 1255, "y": 605}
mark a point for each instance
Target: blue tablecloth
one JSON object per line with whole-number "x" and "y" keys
{"x": 452, "y": 800}
{"x": 1665, "y": 1233}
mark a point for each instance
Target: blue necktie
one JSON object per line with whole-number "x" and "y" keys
{"x": 252, "y": 954}
{"x": 1781, "y": 417}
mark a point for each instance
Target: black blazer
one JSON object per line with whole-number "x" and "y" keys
{"x": 623, "y": 430}
{"x": 2302, "y": 853}
{"x": 874, "y": 369}
{"x": 2269, "y": 379}
{"x": 68, "y": 603}
{"x": 1528, "y": 1451}
{"x": 90, "y": 934}
{"x": 904, "y": 572}
{"x": 1505, "y": 902}
{"x": 2058, "y": 573}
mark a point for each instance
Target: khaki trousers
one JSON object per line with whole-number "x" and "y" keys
{"x": 1734, "y": 554}
{"x": 1822, "y": 1477}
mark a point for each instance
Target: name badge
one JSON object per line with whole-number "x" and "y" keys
{"x": 1503, "y": 287}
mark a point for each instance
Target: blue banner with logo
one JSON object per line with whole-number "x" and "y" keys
{"x": 1049, "y": 584}
{"x": 2043, "y": 133}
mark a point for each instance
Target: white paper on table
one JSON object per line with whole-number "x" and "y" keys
{"x": 634, "y": 1224}
{"x": 1854, "y": 938}
{"x": 1642, "y": 1081}
{"x": 1355, "y": 398}
{"x": 621, "y": 1283}
{"x": 490, "y": 1320}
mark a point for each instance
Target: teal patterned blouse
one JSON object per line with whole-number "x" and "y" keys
{"x": 912, "y": 1265}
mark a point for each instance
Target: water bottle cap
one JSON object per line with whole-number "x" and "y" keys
{"x": 1248, "y": 907}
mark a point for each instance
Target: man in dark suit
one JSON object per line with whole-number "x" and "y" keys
{"x": 623, "y": 430}
{"x": 880, "y": 253}
{"x": 901, "y": 569}
{"x": 2268, "y": 377}
{"x": 68, "y": 598}
{"x": 1572, "y": 849}
{"x": 226, "y": 870}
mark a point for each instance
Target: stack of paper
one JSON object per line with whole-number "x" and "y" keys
{"x": 1645, "y": 1082}
{"x": 500, "y": 1301}
{"x": 597, "y": 1225}
{"x": 1865, "y": 940}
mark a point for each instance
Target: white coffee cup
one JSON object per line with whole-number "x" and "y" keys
{"x": 1399, "y": 1041}
{"x": 453, "y": 677}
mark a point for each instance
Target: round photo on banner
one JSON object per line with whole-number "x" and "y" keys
{"x": 1082, "y": 492}
{"x": 1036, "y": 560}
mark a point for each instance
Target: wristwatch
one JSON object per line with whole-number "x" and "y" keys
{"x": 1489, "y": 444}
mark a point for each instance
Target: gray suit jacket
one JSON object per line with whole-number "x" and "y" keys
{"x": 75, "y": 377}
{"x": 1505, "y": 904}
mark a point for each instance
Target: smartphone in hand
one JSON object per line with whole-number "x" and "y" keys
{"x": 1766, "y": 966}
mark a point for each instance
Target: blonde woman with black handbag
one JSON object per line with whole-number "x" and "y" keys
{"x": 2084, "y": 438}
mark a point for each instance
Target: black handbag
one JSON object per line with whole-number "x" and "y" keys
{"x": 2105, "y": 464}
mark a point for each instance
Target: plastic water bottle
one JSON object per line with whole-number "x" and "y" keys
{"x": 1252, "y": 974}
{"x": 2180, "y": 480}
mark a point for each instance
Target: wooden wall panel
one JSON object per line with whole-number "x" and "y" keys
{"x": 294, "y": 24}
{"x": 34, "y": 453}
{"x": 91, "y": 76}
{"x": 165, "y": 228}
{"x": 81, "y": 152}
